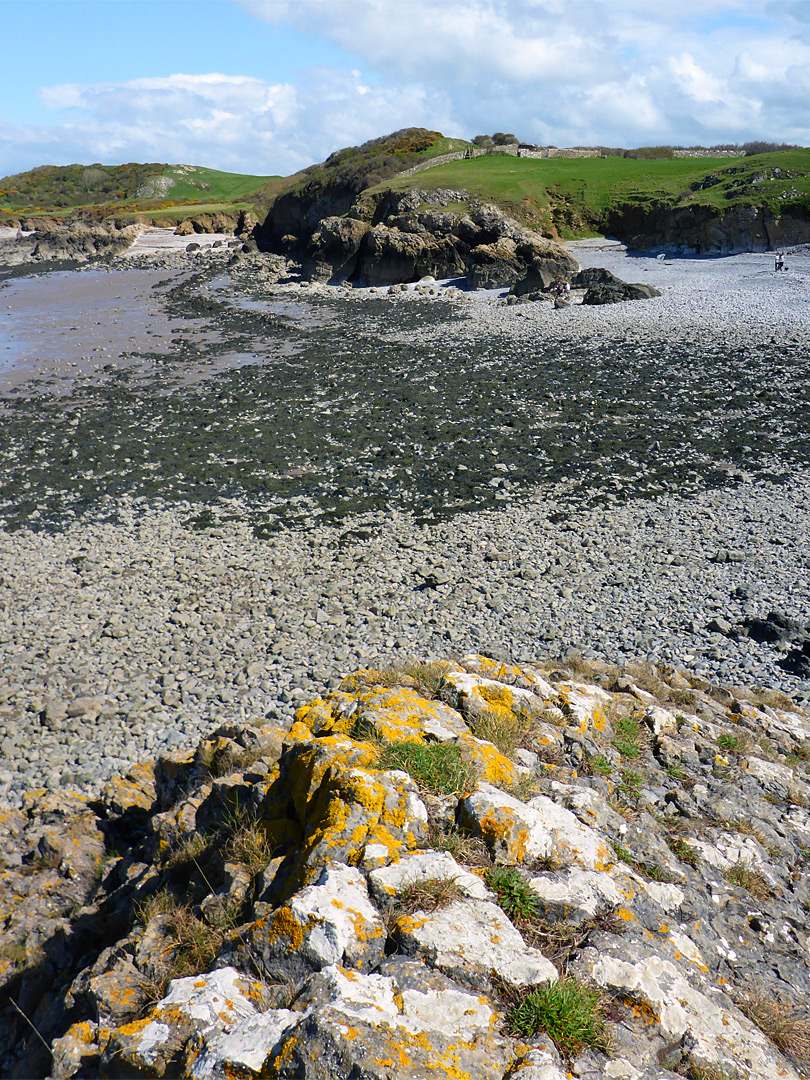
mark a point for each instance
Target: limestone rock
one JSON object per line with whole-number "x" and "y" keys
{"x": 470, "y": 939}
{"x": 329, "y": 922}
{"x": 403, "y": 1019}
{"x": 518, "y": 832}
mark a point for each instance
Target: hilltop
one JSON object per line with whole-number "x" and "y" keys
{"x": 155, "y": 192}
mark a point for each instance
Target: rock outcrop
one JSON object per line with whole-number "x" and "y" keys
{"x": 703, "y": 229}
{"x": 426, "y": 876}
{"x": 395, "y": 237}
{"x": 73, "y": 242}
{"x": 603, "y": 287}
{"x": 238, "y": 222}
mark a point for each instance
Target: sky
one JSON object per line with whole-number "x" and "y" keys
{"x": 267, "y": 87}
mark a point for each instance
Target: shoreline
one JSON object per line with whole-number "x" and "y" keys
{"x": 140, "y": 635}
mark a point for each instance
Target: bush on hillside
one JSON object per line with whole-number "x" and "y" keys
{"x": 760, "y": 147}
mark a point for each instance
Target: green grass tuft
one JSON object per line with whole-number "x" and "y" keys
{"x": 438, "y": 768}
{"x": 515, "y": 896}
{"x": 568, "y": 1011}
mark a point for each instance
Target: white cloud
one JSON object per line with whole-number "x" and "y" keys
{"x": 679, "y": 71}
{"x": 615, "y": 72}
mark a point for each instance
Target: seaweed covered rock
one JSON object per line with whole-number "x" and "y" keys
{"x": 431, "y": 873}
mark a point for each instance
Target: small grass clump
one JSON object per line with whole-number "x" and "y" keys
{"x": 746, "y": 877}
{"x": 432, "y": 894}
{"x": 735, "y": 742}
{"x": 647, "y": 870}
{"x": 249, "y": 846}
{"x": 568, "y": 1011}
{"x": 515, "y": 896}
{"x": 438, "y": 768}
{"x": 463, "y": 846}
{"x": 630, "y": 785}
{"x": 684, "y": 851}
{"x": 597, "y": 766}
{"x": 785, "y": 1025}
{"x": 426, "y": 677}
{"x": 503, "y": 729}
{"x": 629, "y": 740}
{"x": 195, "y": 943}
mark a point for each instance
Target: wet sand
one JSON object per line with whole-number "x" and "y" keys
{"x": 58, "y": 328}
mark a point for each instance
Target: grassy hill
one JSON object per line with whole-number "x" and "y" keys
{"x": 150, "y": 189}
{"x": 573, "y": 196}
{"x": 568, "y": 197}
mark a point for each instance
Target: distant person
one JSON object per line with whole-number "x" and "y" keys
{"x": 780, "y": 261}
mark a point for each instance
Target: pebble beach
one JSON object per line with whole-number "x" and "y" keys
{"x": 140, "y": 609}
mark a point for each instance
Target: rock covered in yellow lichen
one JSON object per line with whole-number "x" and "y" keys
{"x": 403, "y": 1021}
{"x": 330, "y": 922}
{"x": 205, "y": 1005}
{"x": 518, "y": 832}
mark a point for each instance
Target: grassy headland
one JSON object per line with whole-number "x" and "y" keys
{"x": 573, "y": 196}
{"x": 152, "y": 190}
{"x": 567, "y": 197}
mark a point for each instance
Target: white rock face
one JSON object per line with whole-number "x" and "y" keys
{"x": 245, "y": 1049}
{"x": 373, "y": 998}
{"x": 719, "y": 1035}
{"x": 469, "y": 939}
{"x": 520, "y": 832}
{"x": 661, "y": 720}
{"x": 389, "y": 881}
{"x": 778, "y": 779}
{"x": 214, "y": 1004}
{"x": 585, "y": 891}
{"x": 216, "y": 1001}
{"x": 541, "y": 1063}
{"x": 339, "y": 922}
{"x": 592, "y": 809}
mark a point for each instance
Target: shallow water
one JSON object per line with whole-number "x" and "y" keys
{"x": 56, "y": 326}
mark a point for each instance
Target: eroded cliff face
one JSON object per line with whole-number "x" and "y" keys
{"x": 447, "y": 870}
{"x": 702, "y": 230}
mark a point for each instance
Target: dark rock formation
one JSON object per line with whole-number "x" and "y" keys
{"x": 79, "y": 242}
{"x": 703, "y": 229}
{"x": 388, "y": 238}
{"x": 610, "y": 293}
{"x": 238, "y": 222}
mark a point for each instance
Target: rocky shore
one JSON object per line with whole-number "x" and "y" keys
{"x": 447, "y": 869}
{"x": 624, "y": 480}
{"x": 126, "y": 638}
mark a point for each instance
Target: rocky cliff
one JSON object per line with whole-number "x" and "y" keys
{"x": 389, "y": 237}
{"x": 445, "y": 870}
{"x": 704, "y": 230}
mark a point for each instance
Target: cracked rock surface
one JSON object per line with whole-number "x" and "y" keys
{"x": 319, "y": 901}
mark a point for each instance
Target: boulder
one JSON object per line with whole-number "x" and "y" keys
{"x": 617, "y": 294}
{"x": 548, "y": 264}
{"x": 493, "y": 266}
{"x": 333, "y": 250}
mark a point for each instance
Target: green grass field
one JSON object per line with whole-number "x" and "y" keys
{"x": 573, "y": 194}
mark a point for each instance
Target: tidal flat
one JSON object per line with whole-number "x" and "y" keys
{"x": 230, "y": 491}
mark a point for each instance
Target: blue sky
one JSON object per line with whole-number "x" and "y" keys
{"x": 269, "y": 86}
